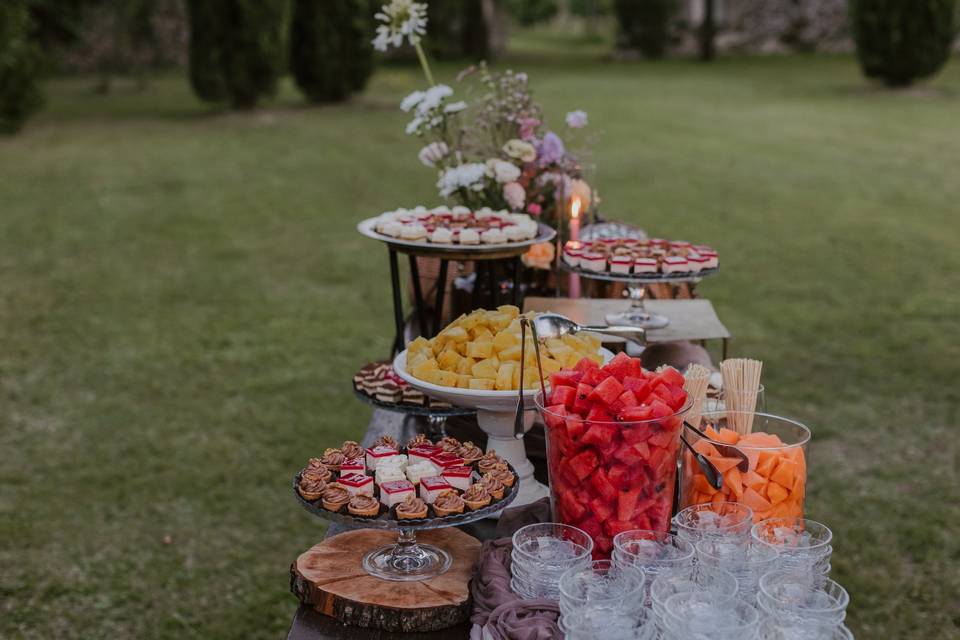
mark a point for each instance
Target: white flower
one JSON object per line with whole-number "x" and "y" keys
{"x": 465, "y": 176}
{"x": 577, "y": 119}
{"x": 401, "y": 19}
{"x": 514, "y": 194}
{"x": 432, "y": 98}
{"x": 520, "y": 150}
{"x": 412, "y": 100}
{"x": 414, "y": 126}
{"x": 455, "y": 107}
{"x": 502, "y": 171}
{"x": 433, "y": 153}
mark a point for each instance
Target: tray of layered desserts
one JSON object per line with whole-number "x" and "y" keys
{"x": 377, "y": 384}
{"x": 640, "y": 260}
{"x": 423, "y": 485}
{"x": 456, "y": 229}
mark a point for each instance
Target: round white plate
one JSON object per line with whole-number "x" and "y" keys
{"x": 367, "y": 228}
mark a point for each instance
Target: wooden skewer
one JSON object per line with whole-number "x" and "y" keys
{"x": 696, "y": 381}
{"x": 741, "y": 383}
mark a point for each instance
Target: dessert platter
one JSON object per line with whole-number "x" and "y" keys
{"x": 423, "y": 485}
{"x": 637, "y": 263}
{"x": 485, "y": 347}
{"x": 457, "y": 229}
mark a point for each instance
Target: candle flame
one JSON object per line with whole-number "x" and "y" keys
{"x": 575, "y": 207}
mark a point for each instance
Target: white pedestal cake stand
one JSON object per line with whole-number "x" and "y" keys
{"x": 495, "y": 415}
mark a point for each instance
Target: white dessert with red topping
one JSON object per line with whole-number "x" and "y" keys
{"x": 593, "y": 262}
{"x": 469, "y": 236}
{"x": 387, "y": 473}
{"x": 443, "y": 460}
{"x": 376, "y": 454}
{"x": 423, "y": 453}
{"x": 645, "y": 265}
{"x": 621, "y": 264}
{"x": 458, "y": 477}
{"x": 417, "y": 471}
{"x": 395, "y": 492}
{"x": 459, "y": 225}
{"x": 357, "y": 465}
{"x": 432, "y": 486}
{"x": 675, "y": 264}
{"x": 357, "y": 484}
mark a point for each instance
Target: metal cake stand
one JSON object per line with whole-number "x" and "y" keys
{"x": 636, "y": 314}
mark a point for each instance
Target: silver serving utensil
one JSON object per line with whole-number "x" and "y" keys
{"x": 518, "y": 419}
{"x": 726, "y": 450}
{"x": 710, "y": 472}
{"x": 554, "y": 325}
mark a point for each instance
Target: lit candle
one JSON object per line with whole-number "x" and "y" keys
{"x": 574, "y": 236}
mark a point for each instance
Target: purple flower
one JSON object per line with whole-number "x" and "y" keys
{"x": 577, "y": 119}
{"x": 550, "y": 150}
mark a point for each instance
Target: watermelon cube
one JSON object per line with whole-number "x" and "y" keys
{"x": 660, "y": 409}
{"x": 627, "y": 503}
{"x": 602, "y": 509}
{"x": 604, "y": 544}
{"x": 582, "y": 402}
{"x": 607, "y": 391}
{"x": 583, "y": 464}
{"x": 600, "y": 434}
{"x": 575, "y": 427}
{"x": 663, "y": 392}
{"x": 628, "y": 399}
{"x": 591, "y": 526}
{"x": 632, "y": 434}
{"x": 636, "y": 414}
{"x": 670, "y": 376}
{"x": 585, "y": 364}
{"x": 620, "y": 476}
{"x": 565, "y": 378}
{"x": 639, "y": 386}
{"x": 622, "y": 366}
{"x": 613, "y": 527}
{"x": 571, "y": 506}
{"x": 555, "y": 415}
{"x": 599, "y": 413}
{"x": 662, "y": 437}
{"x": 563, "y": 395}
{"x": 601, "y": 485}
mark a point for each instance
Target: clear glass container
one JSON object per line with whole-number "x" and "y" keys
{"x": 729, "y": 521}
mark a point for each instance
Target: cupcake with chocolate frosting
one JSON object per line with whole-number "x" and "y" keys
{"x": 469, "y": 452}
{"x": 319, "y": 472}
{"x": 418, "y": 440}
{"x": 476, "y": 497}
{"x": 363, "y": 506}
{"x": 386, "y": 441}
{"x": 493, "y": 486}
{"x": 448, "y": 503}
{"x": 314, "y": 463}
{"x": 332, "y": 459}
{"x": 489, "y": 461}
{"x": 448, "y": 444}
{"x": 352, "y": 450}
{"x": 334, "y": 497}
{"x": 503, "y": 474}
{"x": 412, "y": 508}
{"x": 311, "y": 488}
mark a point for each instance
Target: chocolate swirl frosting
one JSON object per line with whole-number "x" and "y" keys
{"x": 315, "y": 463}
{"x": 491, "y": 484}
{"x": 448, "y": 501}
{"x": 351, "y": 450}
{"x": 319, "y": 472}
{"x": 335, "y": 494}
{"x": 413, "y": 506}
{"x": 418, "y": 439}
{"x": 470, "y": 452}
{"x": 488, "y": 463}
{"x": 364, "y": 503}
{"x": 450, "y": 445}
{"x": 476, "y": 493}
{"x": 501, "y": 473}
{"x": 309, "y": 484}
{"x": 386, "y": 441}
{"x": 333, "y": 458}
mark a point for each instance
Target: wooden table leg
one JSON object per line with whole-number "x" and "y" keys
{"x": 418, "y": 296}
{"x": 397, "y": 302}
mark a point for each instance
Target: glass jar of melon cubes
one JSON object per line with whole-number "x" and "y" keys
{"x": 609, "y": 477}
{"x": 773, "y": 479}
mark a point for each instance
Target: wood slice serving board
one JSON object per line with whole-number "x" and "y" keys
{"x": 329, "y": 578}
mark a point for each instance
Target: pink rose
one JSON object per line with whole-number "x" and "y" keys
{"x": 527, "y": 127}
{"x": 514, "y": 194}
{"x": 534, "y": 209}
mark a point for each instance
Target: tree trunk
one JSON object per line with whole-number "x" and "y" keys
{"x": 708, "y": 31}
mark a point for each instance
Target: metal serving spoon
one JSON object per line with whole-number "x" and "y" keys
{"x": 725, "y": 450}
{"x": 554, "y": 325}
{"x": 710, "y": 472}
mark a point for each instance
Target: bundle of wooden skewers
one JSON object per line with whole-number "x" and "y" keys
{"x": 741, "y": 386}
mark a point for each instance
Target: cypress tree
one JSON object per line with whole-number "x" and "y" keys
{"x": 330, "y": 52}
{"x": 205, "y": 67}
{"x": 645, "y": 25}
{"x": 20, "y": 66}
{"x": 899, "y": 41}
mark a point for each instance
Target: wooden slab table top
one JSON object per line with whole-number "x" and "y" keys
{"x": 309, "y": 624}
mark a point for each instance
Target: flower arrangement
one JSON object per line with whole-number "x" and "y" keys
{"x": 495, "y": 151}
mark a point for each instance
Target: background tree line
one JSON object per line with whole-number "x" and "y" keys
{"x": 236, "y": 50}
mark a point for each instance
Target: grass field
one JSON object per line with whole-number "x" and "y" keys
{"x": 183, "y": 299}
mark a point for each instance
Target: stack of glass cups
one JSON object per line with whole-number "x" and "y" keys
{"x": 774, "y": 483}
{"x": 541, "y": 554}
{"x": 728, "y": 521}
{"x": 803, "y": 545}
{"x": 717, "y": 582}
{"x": 602, "y": 600}
{"x": 655, "y": 552}
{"x": 747, "y": 561}
{"x": 797, "y": 606}
{"x": 708, "y": 616}
{"x": 609, "y": 477}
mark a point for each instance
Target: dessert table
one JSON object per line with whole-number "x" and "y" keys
{"x": 690, "y": 320}
{"x": 308, "y": 624}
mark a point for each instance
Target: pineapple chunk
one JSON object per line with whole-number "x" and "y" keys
{"x": 505, "y": 340}
{"x": 486, "y": 369}
{"x": 560, "y": 352}
{"x": 482, "y": 384}
{"x": 457, "y": 334}
{"x": 419, "y": 344}
{"x": 424, "y": 369}
{"x": 575, "y": 343}
{"x": 434, "y": 377}
{"x": 464, "y": 380}
{"x": 481, "y": 334}
{"x": 447, "y": 378}
{"x": 480, "y": 349}
{"x": 514, "y": 327}
{"x": 449, "y": 360}
{"x": 465, "y": 366}
{"x": 498, "y": 321}
{"x": 505, "y": 376}
{"x": 416, "y": 358}
{"x": 550, "y": 366}
{"x": 511, "y": 353}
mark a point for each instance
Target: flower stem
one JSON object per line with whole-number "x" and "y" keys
{"x": 423, "y": 63}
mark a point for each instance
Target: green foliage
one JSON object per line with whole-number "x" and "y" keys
{"x": 20, "y": 66}
{"x": 457, "y": 29}
{"x": 899, "y": 41}
{"x": 645, "y": 25}
{"x": 330, "y": 52}
{"x": 590, "y": 8}
{"x": 236, "y": 49}
{"x": 530, "y": 12}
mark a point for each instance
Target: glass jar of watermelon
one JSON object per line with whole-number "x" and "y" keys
{"x": 613, "y": 433}
{"x": 763, "y": 459}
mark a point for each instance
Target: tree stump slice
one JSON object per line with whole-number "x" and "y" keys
{"x": 329, "y": 577}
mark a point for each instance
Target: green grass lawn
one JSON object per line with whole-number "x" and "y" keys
{"x": 183, "y": 299}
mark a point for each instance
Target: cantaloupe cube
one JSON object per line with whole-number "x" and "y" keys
{"x": 504, "y": 380}
{"x": 482, "y": 384}
{"x": 480, "y": 349}
{"x": 700, "y": 484}
{"x": 785, "y": 472}
{"x": 486, "y": 369}
{"x": 734, "y": 479}
{"x": 728, "y": 436}
{"x": 449, "y": 360}
{"x": 755, "y": 501}
{"x": 776, "y": 493}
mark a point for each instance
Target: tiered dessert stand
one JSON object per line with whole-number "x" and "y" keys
{"x": 636, "y": 314}
{"x": 436, "y": 416}
{"x": 480, "y": 253}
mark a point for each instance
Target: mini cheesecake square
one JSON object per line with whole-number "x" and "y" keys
{"x": 432, "y": 486}
{"x": 387, "y": 473}
{"x": 621, "y": 264}
{"x": 593, "y": 262}
{"x": 378, "y": 453}
{"x": 444, "y": 460}
{"x": 572, "y": 257}
{"x": 398, "y": 461}
{"x": 696, "y": 261}
{"x": 423, "y": 453}
{"x": 713, "y": 260}
{"x": 458, "y": 477}
{"x": 658, "y": 242}
{"x": 416, "y": 472}
{"x": 395, "y": 492}
{"x": 680, "y": 245}
{"x": 357, "y": 484}
{"x": 675, "y": 264}
{"x": 357, "y": 465}
{"x": 645, "y": 265}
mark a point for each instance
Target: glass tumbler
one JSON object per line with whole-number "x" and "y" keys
{"x": 730, "y": 521}
{"x": 655, "y": 552}
{"x": 714, "y": 581}
{"x": 708, "y": 616}
{"x": 804, "y": 545}
{"x": 747, "y": 562}
{"x": 542, "y": 553}
{"x": 602, "y": 591}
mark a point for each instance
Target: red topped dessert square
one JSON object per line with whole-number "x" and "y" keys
{"x": 380, "y": 452}
{"x": 357, "y": 484}
{"x": 459, "y": 477}
{"x": 357, "y": 465}
{"x": 423, "y": 453}
{"x": 396, "y": 491}
{"x": 444, "y": 460}
{"x": 433, "y": 486}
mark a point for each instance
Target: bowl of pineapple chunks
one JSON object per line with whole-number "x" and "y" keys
{"x": 475, "y": 360}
